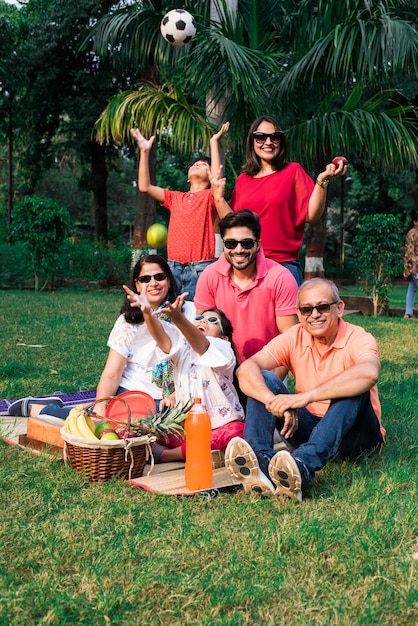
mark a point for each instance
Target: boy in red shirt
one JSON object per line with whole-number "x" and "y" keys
{"x": 193, "y": 214}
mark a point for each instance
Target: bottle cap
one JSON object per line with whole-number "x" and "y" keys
{"x": 197, "y": 400}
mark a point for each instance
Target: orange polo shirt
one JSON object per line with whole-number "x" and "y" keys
{"x": 294, "y": 349}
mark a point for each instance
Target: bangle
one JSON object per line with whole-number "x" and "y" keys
{"x": 322, "y": 183}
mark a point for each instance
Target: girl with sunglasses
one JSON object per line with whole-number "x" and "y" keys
{"x": 204, "y": 363}
{"x": 281, "y": 193}
{"x": 126, "y": 368}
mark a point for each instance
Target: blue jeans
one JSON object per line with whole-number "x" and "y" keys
{"x": 410, "y": 295}
{"x": 295, "y": 269}
{"x": 349, "y": 429}
{"x": 186, "y": 275}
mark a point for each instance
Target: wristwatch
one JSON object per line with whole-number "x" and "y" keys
{"x": 322, "y": 183}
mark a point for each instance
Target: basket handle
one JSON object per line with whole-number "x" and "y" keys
{"x": 108, "y": 399}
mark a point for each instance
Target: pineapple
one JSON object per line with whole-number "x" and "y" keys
{"x": 160, "y": 424}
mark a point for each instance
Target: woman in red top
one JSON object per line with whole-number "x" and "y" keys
{"x": 281, "y": 193}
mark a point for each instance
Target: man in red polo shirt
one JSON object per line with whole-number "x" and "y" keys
{"x": 257, "y": 294}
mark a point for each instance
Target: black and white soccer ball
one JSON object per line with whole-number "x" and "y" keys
{"x": 178, "y": 27}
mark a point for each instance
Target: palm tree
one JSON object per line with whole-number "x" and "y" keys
{"x": 340, "y": 90}
{"x": 327, "y": 70}
{"x": 230, "y": 59}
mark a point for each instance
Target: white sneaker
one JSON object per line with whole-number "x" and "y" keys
{"x": 285, "y": 474}
{"x": 241, "y": 462}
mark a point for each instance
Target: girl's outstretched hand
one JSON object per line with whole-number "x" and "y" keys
{"x": 174, "y": 309}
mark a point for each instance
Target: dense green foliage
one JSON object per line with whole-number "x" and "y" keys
{"x": 78, "y": 264}
{"x": 342, "y": 79}
{"x": 41, "y": 225}
{"x": 379, "y": 256}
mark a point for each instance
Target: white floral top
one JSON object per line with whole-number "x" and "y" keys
{"x": 208, "y": 376}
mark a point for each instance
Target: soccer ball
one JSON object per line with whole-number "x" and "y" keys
{"x": 178, "y": 27}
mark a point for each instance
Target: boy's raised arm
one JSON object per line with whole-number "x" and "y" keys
{"x": 217, "y": 180}
{"x": 144, "y": 181}
{"x": 215, "y": 155}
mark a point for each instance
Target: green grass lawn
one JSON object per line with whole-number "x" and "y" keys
{"x": 77, "y": 553}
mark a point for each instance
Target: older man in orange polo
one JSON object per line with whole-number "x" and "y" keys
{"x": 335, "y": 409}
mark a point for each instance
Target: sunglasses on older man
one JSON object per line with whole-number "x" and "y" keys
{"x": 321, "y": 308}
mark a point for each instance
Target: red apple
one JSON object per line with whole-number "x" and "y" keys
{"x": 336, "y": 160}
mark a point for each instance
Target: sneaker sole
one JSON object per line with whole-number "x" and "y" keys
{"x": 242, "y": 464}
{"x": 286, "y": 476}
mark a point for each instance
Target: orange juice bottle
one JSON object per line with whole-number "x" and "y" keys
{"x": 198, "y": 470}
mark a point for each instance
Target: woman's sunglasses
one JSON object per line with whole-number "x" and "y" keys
{"x": 147, "y": 278}
{"x": 261, "y": 138}
{"x": 211, "y": 319}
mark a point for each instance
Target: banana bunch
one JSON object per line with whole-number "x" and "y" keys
{"x": 80, "y": 424}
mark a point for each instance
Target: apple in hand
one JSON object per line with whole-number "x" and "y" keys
{"x": 336, "y": 160}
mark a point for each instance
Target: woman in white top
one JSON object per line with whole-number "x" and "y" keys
{"x": 128, "y": 365}
{"x": 203, "y": 363}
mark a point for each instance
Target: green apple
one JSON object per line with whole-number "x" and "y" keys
{"x": 105, "y": 431}
{"x": 157, "y": 236}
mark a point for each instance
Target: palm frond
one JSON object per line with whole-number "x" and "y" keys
{"x": 373, "y": 130}
{"x": 163, "y": 111}
{"x": 358, "y": 46}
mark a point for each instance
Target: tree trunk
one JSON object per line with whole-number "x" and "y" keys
{"x": 99, "y": 189}
{"x": 316, "y": 236}
{"x": 145, "y": 211}
{"x": 10, "y": 190}
{"x": 315, "y": 239}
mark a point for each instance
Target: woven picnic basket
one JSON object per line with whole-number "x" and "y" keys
{"x": 102, "y": 460}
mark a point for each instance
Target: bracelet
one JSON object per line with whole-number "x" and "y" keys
{"x": 322, "y": 183}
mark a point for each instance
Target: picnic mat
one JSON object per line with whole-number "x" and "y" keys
{"x": 166, "y": 478}
{"x": 68, "y": 399}
{"x": 172, "y": 483}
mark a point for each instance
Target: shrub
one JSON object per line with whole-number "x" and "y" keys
{"x": 106, "y": 265}
{"x": 41, "y": 225}
{"x": 78, "y": 264}
{"x": 378, "y": 247}
{"x": 15, "y": 266}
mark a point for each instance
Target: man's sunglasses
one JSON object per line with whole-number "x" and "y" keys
{"x": 211, "y": 319}
{"x": 247, "y": 244}
{"x": 147, "y": 278}
{"x": 321, "y": 308}
{"x": 261, "y": 138}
